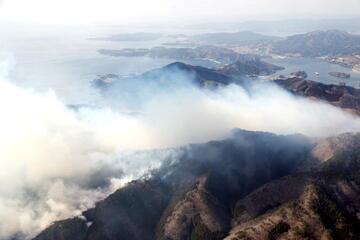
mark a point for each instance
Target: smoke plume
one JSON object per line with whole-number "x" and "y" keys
{"x": 57, "y": 161}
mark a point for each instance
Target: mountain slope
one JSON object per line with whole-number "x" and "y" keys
{"x": 193, "y": 198}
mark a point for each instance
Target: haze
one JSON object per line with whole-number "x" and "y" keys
{"x": 168, "y": 11}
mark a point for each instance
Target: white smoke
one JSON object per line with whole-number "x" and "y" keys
{"x": 50, "y": 154}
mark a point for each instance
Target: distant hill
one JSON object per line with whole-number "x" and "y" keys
{"x": 171, "y": 74}
{"x": 214, "y": 54}
{"x": 319, "y": 43}
{"x": 201, "y": 75}
{"x": 237, "y": 38}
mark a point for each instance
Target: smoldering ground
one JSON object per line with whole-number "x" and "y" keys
{"x": 50, "y": 154}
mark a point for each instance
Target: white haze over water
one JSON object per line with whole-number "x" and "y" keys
{"x": 49, "y": 154}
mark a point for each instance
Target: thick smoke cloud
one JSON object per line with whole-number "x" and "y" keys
{"x": 56, "y": 161}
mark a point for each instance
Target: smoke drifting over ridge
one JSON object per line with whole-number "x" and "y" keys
{"x": 50, "y": 154}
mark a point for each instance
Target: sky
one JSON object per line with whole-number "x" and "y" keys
{"x": 129, "y": 12}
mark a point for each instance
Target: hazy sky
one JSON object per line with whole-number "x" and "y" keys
{"x": 153, "y": 11}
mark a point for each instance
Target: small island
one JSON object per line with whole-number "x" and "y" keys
{"x": 340, "y": 74}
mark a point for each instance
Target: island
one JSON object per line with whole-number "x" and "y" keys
{"x": 340, "y": 75}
